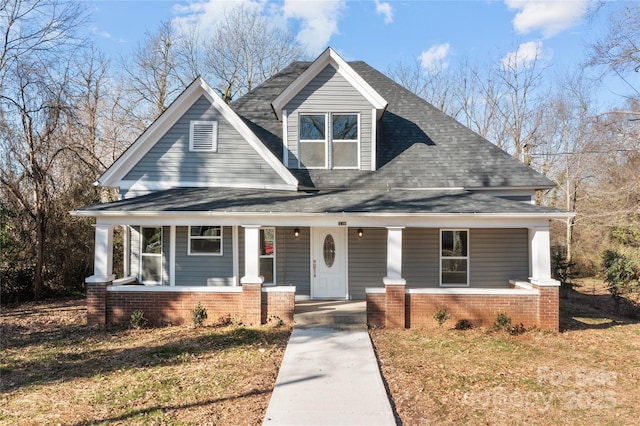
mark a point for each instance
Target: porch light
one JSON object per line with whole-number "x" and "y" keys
{"x": 296, "y": 233}
{"x": 360, "y": 233}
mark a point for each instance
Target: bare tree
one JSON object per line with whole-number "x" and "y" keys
{"x": 246, "y": 48}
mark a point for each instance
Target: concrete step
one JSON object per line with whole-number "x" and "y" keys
{"x": 331, "y": 314}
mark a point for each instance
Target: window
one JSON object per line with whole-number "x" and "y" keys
{"x": 151, "y": 255}
{"x": 315, "y": 132}
{"x": 268, "y": 254}
{"x": 313, "y": 140}
{"x": 454, "y": 257}
{"x": 203, "y": 136}
{"x": 205, "y": 240}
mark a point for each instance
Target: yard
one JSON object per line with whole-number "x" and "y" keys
{"x": 56, "y": 371}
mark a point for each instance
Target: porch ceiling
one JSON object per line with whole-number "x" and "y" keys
{"x": 355, "y": 201}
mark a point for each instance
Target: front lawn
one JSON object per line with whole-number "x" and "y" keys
{"x": 587, "y": 374}
{"x": 56, "y": 371}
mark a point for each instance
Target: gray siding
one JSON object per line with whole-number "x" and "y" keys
{"x": 367, "y": 260}
{"x": 421, "y": 257}
{"x": 204, "y": 270}
{"x": 234, "y": 162}
{"x": 498, "y": 255}
{"x": 293, "y": 259}
{"x": 330, "y": 92}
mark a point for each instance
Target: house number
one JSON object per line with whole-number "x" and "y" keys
{"x": 342, "y": 223}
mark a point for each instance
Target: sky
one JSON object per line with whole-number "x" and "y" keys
{"x": 386, "y": 33}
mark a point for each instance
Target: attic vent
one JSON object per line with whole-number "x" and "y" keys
{"x": 203, "y": 136}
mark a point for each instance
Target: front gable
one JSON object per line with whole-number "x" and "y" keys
{"x": 198, "y": 142}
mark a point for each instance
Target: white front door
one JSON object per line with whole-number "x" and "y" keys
{"x": 329, "y": 263}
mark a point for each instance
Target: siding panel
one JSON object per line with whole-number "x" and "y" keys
{"x": 330, "y": 92}
{"x": 421, "y": 257}
{"x": 234, "y": 162}
{"x": 367, "y": 260}
{"x": 204, "y": 270}
{"x": 498, "y": 255}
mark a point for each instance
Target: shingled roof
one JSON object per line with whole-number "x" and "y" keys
{"x": 418, "y": 147}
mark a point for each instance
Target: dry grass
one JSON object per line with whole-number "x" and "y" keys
{"x": 56, "y": 371}
{"x": 587, "y": 374}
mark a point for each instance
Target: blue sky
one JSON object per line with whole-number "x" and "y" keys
{"x": 385, "y": 33}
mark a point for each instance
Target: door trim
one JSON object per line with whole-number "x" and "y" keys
{"x": 344, "y": 234}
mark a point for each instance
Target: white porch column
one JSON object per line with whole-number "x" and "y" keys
{"x": 394, "y": 256}
{"x": 251, "y": 255}
{"x": 540, "y": 256}
{"x": 103, "y": 257}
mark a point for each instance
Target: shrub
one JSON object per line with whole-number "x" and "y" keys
{"x": 622, "y": 274}
{"x": 138, "y": 320}
{"x": 441, "y": 315}
{"x": 198, "y": 315}
{"x": 502, "y": 322}
{"x": 463, "y": 324}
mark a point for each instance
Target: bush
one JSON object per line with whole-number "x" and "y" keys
{"x": 198, "y": 315}
{"x": 622, "y": 274}
{"x": 138, "y": 320}
{"x": 502, "y": 322}
{"x": 463, "y": 324}
{"x": 441, "y": 315}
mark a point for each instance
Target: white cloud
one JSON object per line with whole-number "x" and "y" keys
{"x": 319, "y": 21}
{"x": 385, "y": 9}
{"x": 549, "y": 16}
{"x": 207, "y": 14}
{"x": 436, "y": 57}
{"x": 524, "y": 55}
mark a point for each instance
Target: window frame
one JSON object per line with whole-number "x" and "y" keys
{"x": 467, "y": 258}
{"x": 271, "y": 256}
{"x": 205, "y": 237}
{"x": 329, "y": 141}
{"x": 355, "y": 141}
{"x": 318, "y": 141}
{"x": 214, "y": 135}
{"x": 158, "y": 256}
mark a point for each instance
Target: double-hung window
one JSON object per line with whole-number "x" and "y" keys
{"x": 268, "y": 255}
{"x": 205, "y": 240}
{"x": 454, "y": 257}
{"x": 151, "y": 255}
{"x": 329, "y": 141}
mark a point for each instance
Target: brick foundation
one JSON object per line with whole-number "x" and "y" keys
{"x": 394, "y": 306}
{"x": 536, "y": 306}
{"x": 250, "y": 304}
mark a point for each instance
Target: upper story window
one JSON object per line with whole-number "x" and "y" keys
{"x": 203, "y": 136}
{"x": 329, "y": 141}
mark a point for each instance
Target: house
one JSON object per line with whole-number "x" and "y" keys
{"x": 328, "y": 181}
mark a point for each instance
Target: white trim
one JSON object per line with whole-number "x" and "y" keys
{"x": 279, "y": 289}
{"x": 221, "y": 238}
{"x": 358, "y": 143}
{"x": 375, "y": 290}
{"x": 119, "y": 169}
{"x": 236, "y": 255}
{"x": 325, "y": 141}
{"x": 176, "y": 289}
{"x": 137, "y": 185}
{"x": 285, "y": 138}
{"x": 125, "y": 280}
{"x": 467, "y": 257}
{"x": 172, "y": 255}
{"x": 394, "y": 281}
{"x": 329, "y": 57}
{"x": 475, "y": 291}
{"x": 100, "y": 279}
{"x": 126, "y": 261}
{"x": 214, "y": 136}
{"x": 374, "y": 140}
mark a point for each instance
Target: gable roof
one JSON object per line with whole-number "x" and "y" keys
{"x": 329, "y": 57}
{"x": 119, "y": 169}
{"x": 418, "y": 145}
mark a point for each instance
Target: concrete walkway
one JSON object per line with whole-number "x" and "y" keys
{"x": 329, "y": 376}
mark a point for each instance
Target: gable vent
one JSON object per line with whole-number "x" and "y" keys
{"x": 203, "y": 136}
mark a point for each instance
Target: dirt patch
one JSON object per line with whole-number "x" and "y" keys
{"x": 586, "y": 374}
{"x": 54, "y": 370}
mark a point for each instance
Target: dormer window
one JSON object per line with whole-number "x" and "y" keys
{"x": 329, "y": 141}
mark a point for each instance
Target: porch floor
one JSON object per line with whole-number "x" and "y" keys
{"x": 331, "y": 313}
